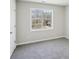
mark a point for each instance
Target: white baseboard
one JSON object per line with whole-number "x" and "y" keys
{"x": 39, "y": 40}
{"x": 67, "y": 37}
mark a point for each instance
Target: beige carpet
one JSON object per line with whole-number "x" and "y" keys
{"x": 52, "y": 49}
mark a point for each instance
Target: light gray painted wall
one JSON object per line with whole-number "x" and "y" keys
{"x": 23, "y": 23}
{"x": 67, "y": 22}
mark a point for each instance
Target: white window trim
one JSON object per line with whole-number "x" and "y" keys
{"x": 52, "y": 25}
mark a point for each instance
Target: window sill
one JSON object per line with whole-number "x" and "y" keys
{"x": 42, "y": 29}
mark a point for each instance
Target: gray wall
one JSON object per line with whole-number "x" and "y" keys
{"x": 67, "y": 22}
{"x": 23, "y": 23}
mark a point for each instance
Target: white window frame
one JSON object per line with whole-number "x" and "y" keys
{"x": 52, "y": 25}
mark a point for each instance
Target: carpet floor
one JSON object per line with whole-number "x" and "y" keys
{"x": 52, "y": 49}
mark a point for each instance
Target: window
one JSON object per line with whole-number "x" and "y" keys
{"x": 41, "y": 19}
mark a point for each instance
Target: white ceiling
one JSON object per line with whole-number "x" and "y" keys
{"x": 56, "y": 2}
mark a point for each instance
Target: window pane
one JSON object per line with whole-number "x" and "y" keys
{"x": 41, "y": 18}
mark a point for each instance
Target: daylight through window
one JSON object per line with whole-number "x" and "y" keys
{"x": 41, "y": 19}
